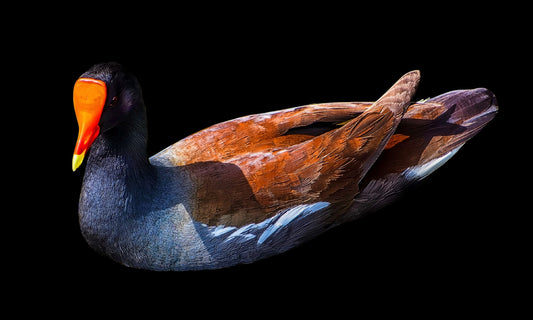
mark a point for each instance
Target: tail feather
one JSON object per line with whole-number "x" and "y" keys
{"x": 472, "y": 110}
{"x": 425, "y": 145}
{"x": 469, "y": 104}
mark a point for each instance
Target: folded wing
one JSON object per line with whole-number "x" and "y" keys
{"x": 429, "y": 135}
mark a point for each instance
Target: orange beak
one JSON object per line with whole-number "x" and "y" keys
{"x": 89, "y": 100}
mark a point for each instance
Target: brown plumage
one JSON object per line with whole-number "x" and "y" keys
{"x": 248, "y": 169}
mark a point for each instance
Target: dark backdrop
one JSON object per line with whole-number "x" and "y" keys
{"x": 457, "y": 232}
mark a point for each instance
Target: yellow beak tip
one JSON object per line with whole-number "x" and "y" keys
{"x": 77, "y": 160}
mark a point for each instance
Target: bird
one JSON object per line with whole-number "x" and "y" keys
{"x": 253, "y": 187}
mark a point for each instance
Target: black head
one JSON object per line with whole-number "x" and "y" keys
{"x": 104, "y": 97}
{"x": 123, "y": 92}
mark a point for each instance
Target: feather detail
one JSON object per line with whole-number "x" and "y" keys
{"x": 430, "y": 134}
{"x": 272, "y": 175}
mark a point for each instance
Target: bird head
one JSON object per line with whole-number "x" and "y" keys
{"x": 103, "y": 97}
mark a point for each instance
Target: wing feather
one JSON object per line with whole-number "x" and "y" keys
{"x": 272, "y": 177}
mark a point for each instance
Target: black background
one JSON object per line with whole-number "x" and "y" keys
{"x": 455, "y": 241}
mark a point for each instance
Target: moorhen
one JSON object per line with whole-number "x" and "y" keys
{"x": 256, "y": 186}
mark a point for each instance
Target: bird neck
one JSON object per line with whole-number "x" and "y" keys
{"x": 117, "y": 182}
{"x": 117, "y": 166}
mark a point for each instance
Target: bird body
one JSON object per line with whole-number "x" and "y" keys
{"x": 256, "y": 186}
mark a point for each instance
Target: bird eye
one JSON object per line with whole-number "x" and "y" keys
{"x": 113, "y": 102}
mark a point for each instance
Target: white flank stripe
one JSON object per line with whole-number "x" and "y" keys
{"x": 286, "y": 218}
{"x": 424, "y": 170}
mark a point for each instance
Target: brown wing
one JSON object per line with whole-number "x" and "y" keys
{"x": 217, "y": 158}
{"x": 279, "y": 129}
{"x": 249, "y": 134}
{"x": 250, "y": 168}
